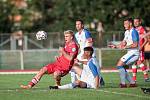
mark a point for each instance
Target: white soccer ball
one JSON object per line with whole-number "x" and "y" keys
{"x": 41, "y": 35}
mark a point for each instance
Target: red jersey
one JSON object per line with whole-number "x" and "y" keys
{"x": 141, "y": 32}
{"x": 64, "y": 63}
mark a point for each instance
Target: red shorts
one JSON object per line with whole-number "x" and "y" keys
{"x": 55, "y": 67}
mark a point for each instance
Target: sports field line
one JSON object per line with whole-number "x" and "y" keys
{"x": 125, "y": 94}
{"x": 105, "y": 91}
{"x": 35, "y": 71}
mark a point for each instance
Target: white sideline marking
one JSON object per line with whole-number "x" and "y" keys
{"x": 112, "y": 92}
{"x": 35, "y": 72}
{"x": 125, "y": 94}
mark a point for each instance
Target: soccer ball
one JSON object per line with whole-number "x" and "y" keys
{"x": 41, "y": 35}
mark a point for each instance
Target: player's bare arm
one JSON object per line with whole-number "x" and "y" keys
{"x": 97, "y": 82}
{"x": 133, "y": 45}
{"x": 66, "y": 55}
{"x": 145, "y": 41}
{"x": 89, "y": 42}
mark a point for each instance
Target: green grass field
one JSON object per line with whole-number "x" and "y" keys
{"x": 9, "y": 89}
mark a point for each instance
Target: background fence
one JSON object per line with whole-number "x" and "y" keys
{"x": 35, "y": 59}
{"x": 26, "y": 52}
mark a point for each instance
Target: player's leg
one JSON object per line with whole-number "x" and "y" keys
{"x": 35, "y": 79}
{"x": 134, "y": 71}
{"x": 75, "y": 72}
{"x": 122, "y": 73}
{"x": 66, "y": 86}
{"x": 77, "y": 83}
{"x": 147, "y": 58}
{"x": 143, "y": 67}
{"x": 130, "y": 80}
{"x": 147, "y": 64}
{"x": 144, "y": 70}
{"x": 57, "y": 78}
{"x": 81, "y": 84}
{"x": 132, "y": 59}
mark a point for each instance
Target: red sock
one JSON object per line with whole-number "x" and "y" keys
{"x": 33, "y": 82}
{"x": 143, "y": 68}
{"x": 144, "y": 72}
{"x": 134, "y": 71}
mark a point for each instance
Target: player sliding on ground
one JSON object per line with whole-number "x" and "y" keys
{"x": 63, "y": 63}
{"x": 131, "y": 43}
{"x": 89, "y": 75}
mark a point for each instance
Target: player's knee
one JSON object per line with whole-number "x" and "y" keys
{"x": 82, "y": 85}
{"x": 43, "y": 70}
{"x": 133, "y": 66}
{"x": 57, "y": 75}
{"x": 139, "y": 62}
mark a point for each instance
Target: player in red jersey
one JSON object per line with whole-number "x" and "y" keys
{"x": 142, "y": 42}
{"x": 63, "y": 63}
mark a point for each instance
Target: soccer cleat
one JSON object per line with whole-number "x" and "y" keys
{"x": 25, "y": 86}
{"x": 146, "y": 90}
{"x": 53, "y": 87}
{"x": 123, "y": 85}
{"x": 102, "y": 83}
{"x": 132, "y": 85}
{"x": 147, "y": 80}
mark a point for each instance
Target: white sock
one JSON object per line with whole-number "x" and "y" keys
{"x": 67, "y": 86}
{"x": 73, "y": 76}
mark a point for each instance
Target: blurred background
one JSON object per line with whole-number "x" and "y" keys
{"x": 21, "y": 19}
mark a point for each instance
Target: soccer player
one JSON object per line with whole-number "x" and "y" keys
{"x": 142, "y": 42}
{"x": 84, "y": 39}
{"x": 63, "y": 63}
{"x": 90, "y": 77}
{"x": 131, "y": 43}
{"x": 147, "y": 51}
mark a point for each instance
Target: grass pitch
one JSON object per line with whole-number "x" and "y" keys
{"x": 10, "y": 90}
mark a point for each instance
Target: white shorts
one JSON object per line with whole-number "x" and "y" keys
{"x": 130, "y": 58}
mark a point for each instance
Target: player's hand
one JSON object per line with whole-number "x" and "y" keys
{"x": 76, "y": 61}
{"x": 61, "y": 50}
{"x": 111, "y": 45}
{"x": 56, "y": 57}
{"x": 121, "y": 47}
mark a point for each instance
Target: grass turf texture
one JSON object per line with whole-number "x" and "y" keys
{"x": 10, "y": 90}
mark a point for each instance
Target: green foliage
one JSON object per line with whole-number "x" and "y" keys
{"x": 59, "y": 15}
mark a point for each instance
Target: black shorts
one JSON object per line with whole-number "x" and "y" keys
{"x": 147, "y": 54}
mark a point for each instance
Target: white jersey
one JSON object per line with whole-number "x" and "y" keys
{"x": 81, "y": 39}
{"x": 130, "y": 37}
{"x": 89, "y": 72}
{"x": 133, "y": 53}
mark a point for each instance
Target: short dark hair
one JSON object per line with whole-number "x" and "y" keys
{"x": 129, "y": 20}
{"x": 89, "y": 49}
{"x": 137, "y": 18}
{"x": 80, "y": 21}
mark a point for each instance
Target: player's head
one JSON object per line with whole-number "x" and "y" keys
{"x": 69, "y": 35}
{"x": 128, "y": 23}
{"x": 137, "y": 21}
{"x": 79, "y": 24}
{"x": 88, "y": 52}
